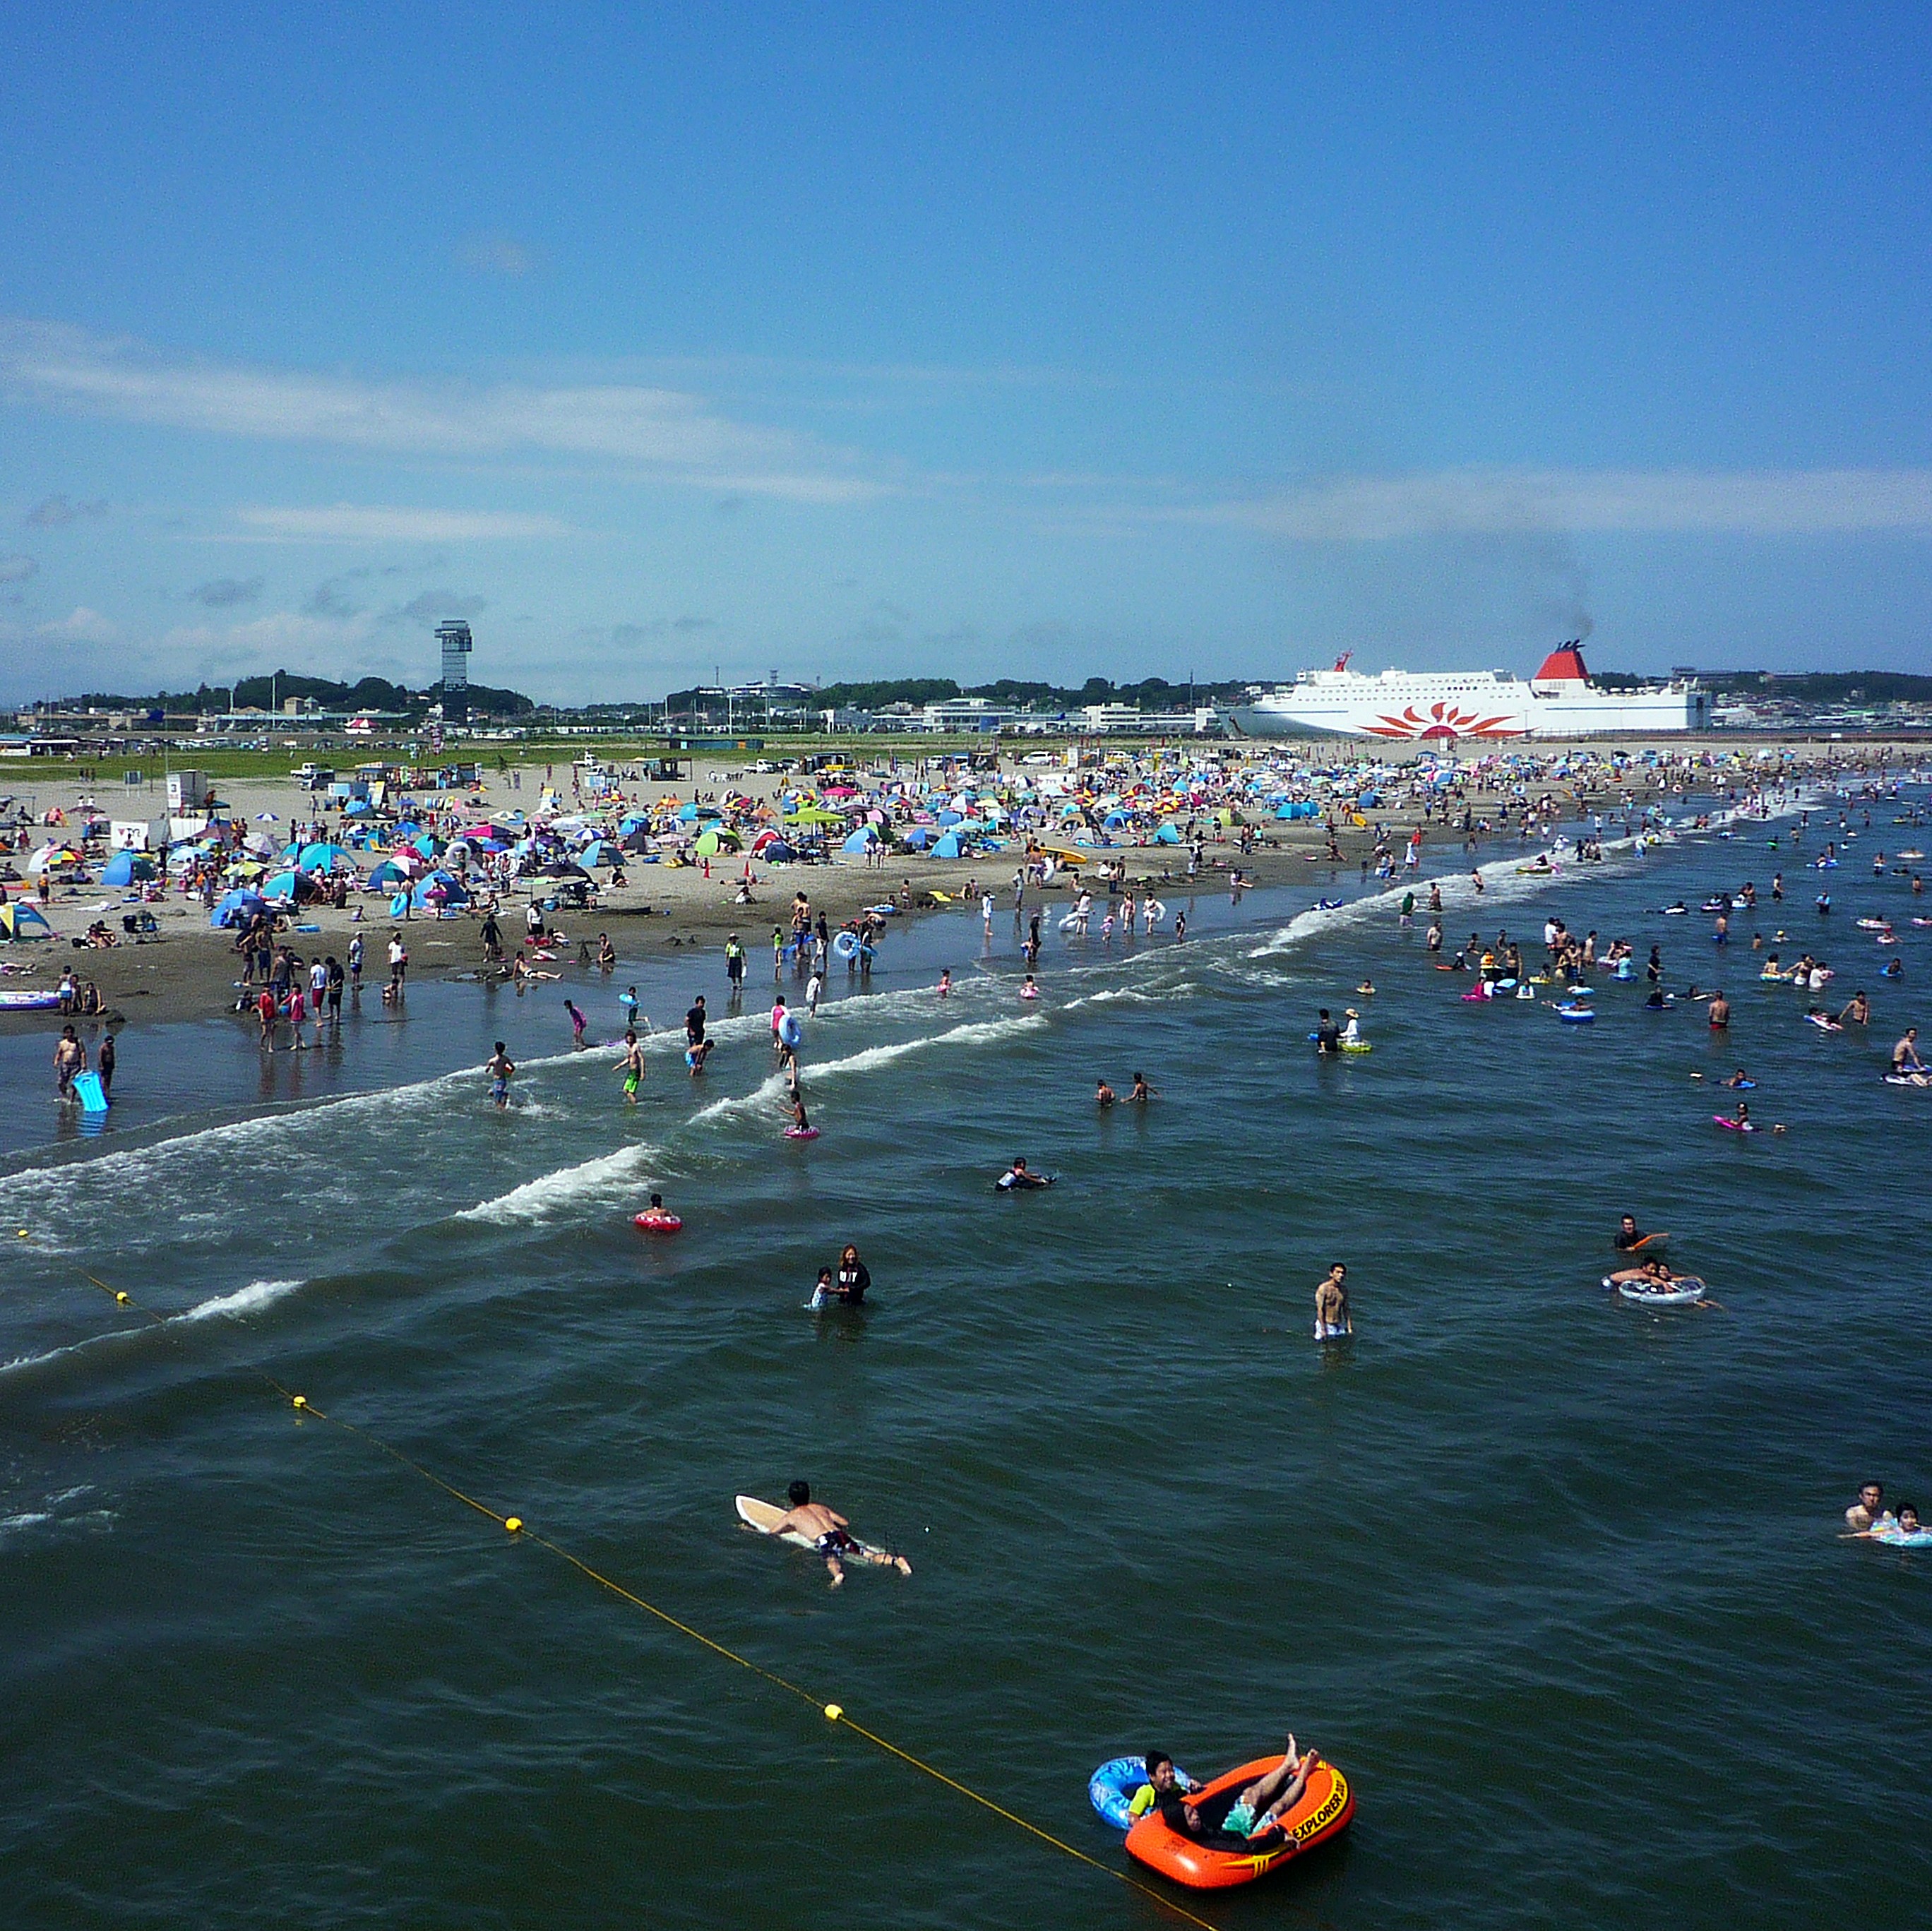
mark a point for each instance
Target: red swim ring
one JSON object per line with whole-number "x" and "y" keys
{"x": 658, "y": 1223}
{"x": 1325, "y": 1810}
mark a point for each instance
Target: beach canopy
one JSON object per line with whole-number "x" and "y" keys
{"x": 321, "y": 858}
{"x": 52, "y": 858}
{"x": 440, "y": 888}
{"x": 949, "y": 847}
{"x": 22, "y": 921}
{"x": 282, "y": 886}
{"x": 1167, "y": 835}
{"x": 718, "y": 838}
{"x": 237, "y": 909}
{"x": 860, "y": 842}
{"x": 128, "y": 868}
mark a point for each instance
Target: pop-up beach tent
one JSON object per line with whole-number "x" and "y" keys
{"x": 22, "y": 921}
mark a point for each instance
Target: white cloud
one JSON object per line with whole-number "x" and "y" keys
{"x": 1767, "y": 502}
{"x": 80, "y": 626}
{"x": 353, "y": 523}
{"x": 656, "y": 432}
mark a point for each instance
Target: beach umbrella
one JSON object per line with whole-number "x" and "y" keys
{"x": 52, "y": 858}
{"x": 561, "y": 868}
{"x": 266, "y": 818}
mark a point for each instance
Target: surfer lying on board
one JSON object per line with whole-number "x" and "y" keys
{"x": 1254, "y": 1809}
{"x": 831, "y": 1534}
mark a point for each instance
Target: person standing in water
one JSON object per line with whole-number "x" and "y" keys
{"x": 501, "y": 1069}
{"x": 1332, "y": 1319}
{"x": 577, "y": 1023}
{"x": 633, "y": 1064}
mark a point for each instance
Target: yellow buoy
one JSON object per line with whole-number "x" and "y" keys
{"x": 834, "y": 1711}
{"x": 513, "y": 1523}
{"x": 301, "y": 1401}
{"x": 121, "y": 1295}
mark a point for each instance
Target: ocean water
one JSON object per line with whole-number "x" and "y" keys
{"x": 1556, "y": 1580}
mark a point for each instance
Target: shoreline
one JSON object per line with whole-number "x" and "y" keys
{"x": 667, "y": 912}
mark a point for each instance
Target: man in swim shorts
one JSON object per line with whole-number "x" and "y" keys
{"x": 633, "y": 1063}
{"x": 831, "y": 1534}
{"x": 500, "y": 1067}
{"x": 1332, "y": 1322}
{"x": 1255, "y": 1811}
{"x": 1719, "y": 1013}
{"x": 1105, "y": 1095}
{"x": 1905, "y": 1055}
{"x": 1163, "y": 1781}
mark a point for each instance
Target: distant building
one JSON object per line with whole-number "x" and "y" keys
{"x": 454, "y": 638}
{"x": 966, "y": 714}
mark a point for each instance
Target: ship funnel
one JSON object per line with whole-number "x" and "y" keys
{"x": 1564, "y": 665}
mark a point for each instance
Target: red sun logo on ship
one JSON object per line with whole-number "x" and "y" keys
{"x": 1445, "y": 719}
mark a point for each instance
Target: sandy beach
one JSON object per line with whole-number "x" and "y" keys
{"x": 189, "y": 972}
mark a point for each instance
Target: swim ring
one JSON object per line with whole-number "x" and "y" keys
{"x": 1575, "y": 1015}
{"x": 1153, "y": 911}
{"x": 657, "y": 1223}
{"x": 791, "y": 1032}
{"x": 1899, "y": 1538}
{"x": 1356, "y": 1046}
{"x": 1112, "y": 1787}
{"x": 1326, "y": 1807}
{"x": 801, "y": 1133}
{"x": 1029, "y": 992}
{"x": 1684, "y": 1291}
{"x": 1732, "y": 1125}
{"x": 1072, "y": 920}
{"x": 846, "y": 945}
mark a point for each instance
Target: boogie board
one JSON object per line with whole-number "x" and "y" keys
{"x": 87, "y": 1090}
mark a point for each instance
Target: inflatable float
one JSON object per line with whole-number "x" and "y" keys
{"x": 1684, "y": 1291}
{"x": 1908, "y": 1079}
{"x": 791, "y": 1033}
{"x": 1653, "y": 1244}
{"x": 91, "y": 1094}
{"x": 1217, "y": 1862}
{"x": 801, "y": 1133}
{"x": 1576, "y": 1015}
{"x": 652, "y": 1222}
{"x": 29, "y": 1002}
{"x": 1112, "y": 1787}
{"x": 1731, "y": 1125}
{"x": 846, "y": 945}
{"x": 1895, "y": 1537}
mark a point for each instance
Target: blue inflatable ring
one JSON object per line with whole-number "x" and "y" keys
{"x": 846, "y": 945}
{"x": 1112, "y": 1787}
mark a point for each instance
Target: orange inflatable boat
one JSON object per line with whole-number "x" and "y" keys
{"x": 1216, "y": 1861}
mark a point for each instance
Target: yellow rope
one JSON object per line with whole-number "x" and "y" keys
{"x": 836, "y": 1712}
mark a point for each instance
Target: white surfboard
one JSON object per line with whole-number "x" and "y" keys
{"x": 765, "y": 1516}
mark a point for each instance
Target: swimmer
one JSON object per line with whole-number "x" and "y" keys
{"x": 1893, "y": 968}
{"x": 633, "y": 1066}
{"x": 1332, "y": 1319}
{"x": 577, "y": 1024}
{"x": 501, "y": 1069}
{"x": 1905, "y": 1055}
{"x": 1141, "y": 1092}
{"x": 1869, "y": 1512}
{"x": 813, "y": 986}
{"x": 1367, "y": 989}
{"x": 830, "y": 1534}
{"x": 946, "y": 983}
{"x": 1351, "y": 1030}
{"x": 696, "y": 1053}
{"x": 799, "y": 1123}
{"x": 1252, "y": 1811}
{"x": 1858, "y": 1013}
{"x": 1720, "y": 1012}
{"x": 824, "y": 1293}
{"x": 1106, "y": 1095}
{"x": 1029, "y": 990}
{"x": 1628, "y": 1236}
{"x": 1017, "y": 1179}
{"x": 1738, "y": 1078}
{"x": 1328, "y": 1035}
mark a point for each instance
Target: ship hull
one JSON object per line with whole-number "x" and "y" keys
{"x": 1500, "y": 715}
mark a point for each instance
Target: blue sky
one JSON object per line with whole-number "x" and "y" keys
{"x": 971, "y": 342}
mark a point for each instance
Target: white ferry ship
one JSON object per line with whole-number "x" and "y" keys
{"x": 1559, "y": 701}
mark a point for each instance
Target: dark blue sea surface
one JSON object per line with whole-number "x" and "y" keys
{"x": 1556, "y": 1580}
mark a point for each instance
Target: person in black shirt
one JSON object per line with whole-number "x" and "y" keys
{"x": 1327, "y": 1034}
{"x": 694, "y": 1022}
{"x": 852, "y": 1277}
{"x": 1628, "y": 1236}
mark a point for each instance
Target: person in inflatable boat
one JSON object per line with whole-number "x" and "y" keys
{"x": 1252, "y": 1811}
